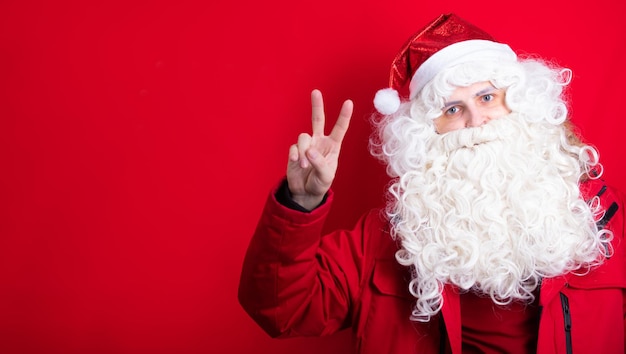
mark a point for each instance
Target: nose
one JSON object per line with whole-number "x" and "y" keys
{"x": 475, "y": 116}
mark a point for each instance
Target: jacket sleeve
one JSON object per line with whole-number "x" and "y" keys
{"x": 296, "y": 282}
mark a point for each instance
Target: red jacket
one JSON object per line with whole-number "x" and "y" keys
{"x": 296, "y": 282}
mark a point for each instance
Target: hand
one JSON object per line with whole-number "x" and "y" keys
{"x": 314, "y": 158}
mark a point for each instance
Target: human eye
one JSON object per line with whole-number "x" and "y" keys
{"x": 488, "y": 97}
{"x": 450, "y": 111}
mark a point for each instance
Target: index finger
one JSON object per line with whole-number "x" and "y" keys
{"x": 317, "y": 112}
{"x": 343, "y": 121}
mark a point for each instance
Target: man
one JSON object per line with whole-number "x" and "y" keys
{"x": 498, "y": 235}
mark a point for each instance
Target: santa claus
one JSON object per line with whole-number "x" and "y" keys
{"x": 508, "y": 239}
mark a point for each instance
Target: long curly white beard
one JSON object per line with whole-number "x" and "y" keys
{"x": 495, "y": 209}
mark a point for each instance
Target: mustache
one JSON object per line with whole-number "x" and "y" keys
{"x": 494, "y": 130}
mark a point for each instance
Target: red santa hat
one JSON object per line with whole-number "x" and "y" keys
{"x": 445, "y": 42}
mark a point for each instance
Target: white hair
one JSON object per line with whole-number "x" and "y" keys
{"x": 495, "y": 208}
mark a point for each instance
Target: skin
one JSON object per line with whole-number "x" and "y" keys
{"x": 313, "y": 159}
{"x": 471, "y": 106}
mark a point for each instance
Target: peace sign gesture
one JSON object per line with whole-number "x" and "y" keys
{"x": 314, "y": 158}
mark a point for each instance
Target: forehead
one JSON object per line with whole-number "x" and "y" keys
{"x": 465, "y": 93}
{"x": 473, "y": 89}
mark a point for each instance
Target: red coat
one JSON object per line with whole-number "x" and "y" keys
{"x": 296, "y": 282}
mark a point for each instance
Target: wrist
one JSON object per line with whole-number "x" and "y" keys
{"x": 285, "y": 196}
{"x": 308, "y": 202}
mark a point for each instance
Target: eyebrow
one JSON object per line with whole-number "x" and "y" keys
{"x": 477, "y": 94}
{"x": 485, "y": 90}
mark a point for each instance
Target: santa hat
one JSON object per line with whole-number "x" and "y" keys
{"x": 445, "y": 42}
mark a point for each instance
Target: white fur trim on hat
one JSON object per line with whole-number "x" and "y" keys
{"x": 459, "y": 53}
{"x": 387, "y": 101}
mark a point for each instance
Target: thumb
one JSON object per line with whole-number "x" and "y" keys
{"x": 320, "y": 165}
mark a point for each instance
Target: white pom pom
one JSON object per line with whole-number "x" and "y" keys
{"x": 387, "y": 101}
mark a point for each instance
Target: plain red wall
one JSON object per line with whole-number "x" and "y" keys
{"x": 139, "y": 140}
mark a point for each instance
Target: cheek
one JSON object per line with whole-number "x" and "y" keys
{"x": 504, "y": 108}
{"x": 440, "y": 126}
{"x": 500, "y": 111}
{"x": 443, "y": 126}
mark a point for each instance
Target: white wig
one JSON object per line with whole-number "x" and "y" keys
{"x": 466, "y": 213}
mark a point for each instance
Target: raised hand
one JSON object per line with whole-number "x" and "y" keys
{"x": 314, "y": 158}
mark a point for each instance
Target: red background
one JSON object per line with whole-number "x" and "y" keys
{"x": 139, "y": 140}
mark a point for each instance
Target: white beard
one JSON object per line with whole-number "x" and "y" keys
{"x": 495, "y": 209}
